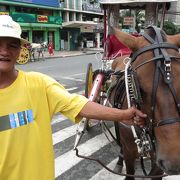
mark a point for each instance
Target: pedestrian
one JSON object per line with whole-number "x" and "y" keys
{"x": 51, "y": 48}
{"x": 28, "y": 102}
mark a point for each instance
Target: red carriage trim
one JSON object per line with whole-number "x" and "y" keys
{"x": 116, "y": 48}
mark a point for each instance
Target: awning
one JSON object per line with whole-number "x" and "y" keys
{"x": 79, "y": 24}
{"x": 85, "y": 27}
{"x": 41, "y": 25}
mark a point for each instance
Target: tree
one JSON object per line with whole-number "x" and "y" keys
{"x": 139, "y": 23}
{"x": 170, "y": 28}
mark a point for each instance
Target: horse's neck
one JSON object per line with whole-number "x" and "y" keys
{"x": 118, "y": 63}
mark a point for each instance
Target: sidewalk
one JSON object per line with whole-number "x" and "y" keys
{"x": 61, "y": 54}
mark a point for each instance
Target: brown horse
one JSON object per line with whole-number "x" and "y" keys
{"x": 156, "y": 68}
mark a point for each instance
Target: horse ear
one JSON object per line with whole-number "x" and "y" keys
{"x": 175, "y": 39}
{"x": 127, "y": 39}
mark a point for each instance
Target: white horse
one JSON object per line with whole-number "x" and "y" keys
{"x": 37, "y": 50}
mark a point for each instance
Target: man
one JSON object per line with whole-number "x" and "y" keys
{"x": 28, "y": 102}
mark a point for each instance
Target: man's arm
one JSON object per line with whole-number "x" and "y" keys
{"x": 96, "y": 111}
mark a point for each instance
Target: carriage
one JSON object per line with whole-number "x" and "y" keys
{"x": 31, "y": 52}
{"x": 128, "y": 92}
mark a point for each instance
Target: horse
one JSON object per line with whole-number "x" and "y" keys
{"x": 37, "y": 50}
{"x": 154, "y": 88}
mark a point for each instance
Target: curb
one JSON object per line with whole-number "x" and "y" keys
{"x": 69, "y": 55}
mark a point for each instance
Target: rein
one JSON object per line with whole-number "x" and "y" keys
{"x": 121, "y": 174}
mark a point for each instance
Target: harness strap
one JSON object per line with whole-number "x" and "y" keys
{"x": 167, "y": 121}
{"x": 159, "y": 39}
{"x": 149, "y": 38}
{"x": 156, "y": 82}
{"x": 153, "y": 46}
{"x": 153, "y": 59}
{"x": 171, "y": 87}
{"x": 118, "y": 139}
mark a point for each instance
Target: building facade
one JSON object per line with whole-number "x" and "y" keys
{"x": 66, "y": 23}
{"x": 174, "y": 12}
{"x": 40, "y": 20}
{"x": 82, "y": 24}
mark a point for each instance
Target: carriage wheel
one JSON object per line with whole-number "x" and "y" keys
{"x": 89, "y": 79}
{"x": 23, "y": 56}
{"x": 88, "y": 86}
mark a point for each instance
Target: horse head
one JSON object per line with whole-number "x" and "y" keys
{"x": 155, "y": 61}
{"x": 44, "y": 44}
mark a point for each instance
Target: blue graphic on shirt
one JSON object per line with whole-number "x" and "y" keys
{"x": 20, "y": 118}
{"x": 29, "y": 115}
{"x": 12, "y": 121}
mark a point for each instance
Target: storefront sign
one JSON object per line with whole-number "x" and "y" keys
{"x": 53, "y": 3}
{"x": 87, "y": 28}
{"x": 91, "y": 7}
{"x": 128, "y": 21}
{"x": 33, "y": 18}
{"x": 55, "y": 20}
{"x": 41, "y": 18}
{"x": 23, "y": 17}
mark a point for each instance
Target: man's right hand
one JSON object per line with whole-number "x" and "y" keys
{"x": 134, "y": 116}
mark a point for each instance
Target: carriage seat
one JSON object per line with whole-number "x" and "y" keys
{"x": 116, "y": 48}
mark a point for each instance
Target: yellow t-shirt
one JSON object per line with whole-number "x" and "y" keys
{"x": 27, "y": 106}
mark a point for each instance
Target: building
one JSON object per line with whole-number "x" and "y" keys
{"x": 174, "y": 12}
{"x": 66, "y": 23}
{"x": 40, "y": 20}
{"x": 82, "y": 24}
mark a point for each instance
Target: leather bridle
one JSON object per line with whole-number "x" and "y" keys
{"x": 162, "y": 62}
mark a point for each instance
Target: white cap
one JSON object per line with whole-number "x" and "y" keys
{"x": 10, "y": 28}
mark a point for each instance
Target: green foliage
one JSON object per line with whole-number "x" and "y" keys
{"x": 170, "y": 28}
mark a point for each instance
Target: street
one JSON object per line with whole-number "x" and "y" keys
{"x": 71, "y": 73}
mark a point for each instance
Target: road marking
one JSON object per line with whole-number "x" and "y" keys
{"x": 42, "y": 67}
{"x": 80, "y": 74}
{"x": 63, "y": 134}
{"x": 58, "y": 118}
{"x": 105, "y": 174}
{"x": 71, "y": 89}
{"x": 74, "y": 79}
{"x": 69, "y": 159}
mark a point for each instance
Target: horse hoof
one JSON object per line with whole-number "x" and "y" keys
{"x": 118, "y": 168}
